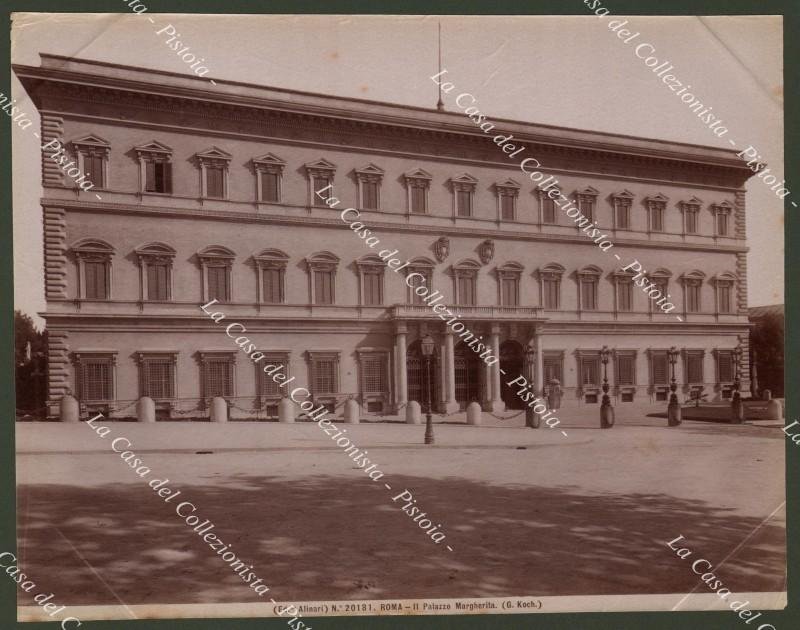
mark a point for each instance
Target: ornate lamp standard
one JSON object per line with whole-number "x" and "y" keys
{"x": 606, "y": 410}
{"x": 737, "y": 406}
{"x": 428, "y": 344}
{"x": 673, "y": 409}
{"x": 532, "y": 420}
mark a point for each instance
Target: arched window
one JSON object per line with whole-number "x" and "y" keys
{"x": 94, "y": 268}
{"x": 588, "y": 282}
{"x": 271, "y": 266}
{"x": 508, "y": 277}
{"x": 423, "y": 269}
{"x": 465, "y": 277}
{"x": 322, "y": 268}
{"x": 155, "y": 271}
{"x": 693, "y": 291}
{"x": 371, "y": 273}
{"x": 550, "y": 286}
{"x": 216, "y": 262}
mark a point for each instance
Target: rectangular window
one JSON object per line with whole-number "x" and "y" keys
{"x": 509, "y": 288}
{"x": 273, "y": 286}
{"x": 158, "y": 281}
{"x": 507, "y": 207}
{"x": 693, "y": 298}
{"x": 552, "y": 366}
{"x": 417, "y": 281}
{"x": 369, "y": 195}
{"x": 725, "y": 301}
{"x": 657, "y": 219}
{"x": 466, "y": 290}
{"x": 319, "y": 183}
{"x": 158, "y": 176}
{"x": 215, "y": 182}
{"x": 552, "y": 293}
{"x": 218, "y": 375}
{"x": 624, "y": 295}
{"x": 589, "y": 295}
{"x": 96, "y": 276}
{"x": 218, "y": 288}
{"x": 373, "y": 374}
{"x": 464, "y": 203}
{"x": 93, "y": 169}
{"x": 623, "y": 216}
{"x": 268, "y": 387}
{"x": 373, "y": 288}
{"x": 725, "y": 367}
{"x": 270, "y": 190}
{"x": 660, "y": 368}
{"x": 694, "y": 367}
{"x": 586, "y": 206}
{"x": 626, "y": 369}
{"x": 323, "y": 287}
{"x": 548, "y": 210}
{"x": 325, "y": 376}
{"x": 97, "y": 379}
{"x": 722, "y": 224}
{"x": 590, "y": 371}
{"x": 157, "y": 378}
{"x": 691, "y": 222}
{"x": 419, "y": 200}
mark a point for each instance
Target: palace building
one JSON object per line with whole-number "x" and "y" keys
{"x": 205, "y": 192}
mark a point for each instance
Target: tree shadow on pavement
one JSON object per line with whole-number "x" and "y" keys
{"x": 335, "y": 537}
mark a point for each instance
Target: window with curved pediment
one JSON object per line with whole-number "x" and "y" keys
{"x": 465, "y": 276}
{"x": 692, "y": 291}
{"x": 588, "y": 283}
{"x": 724, "y": 284}
{"x": 94, "y": 268}
{"x": 323, "y": 266}
{"x": 660, "y": 278}
{"x": 420, "y": 271}
{"x": 155, "y": 264}
{"x": 371, "y": 270}
{"x": 508, "y": 278}
{"x": 623, "y": 286}
{"x": 216, "y": 263}
{"x": 550, "y": 281}
{"x": 271, "y": 269}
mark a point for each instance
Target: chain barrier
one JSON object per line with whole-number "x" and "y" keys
{"x": 505, "y": 417}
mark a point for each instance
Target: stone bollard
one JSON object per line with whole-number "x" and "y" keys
{"x": 766, "y": 394}
{"x": 474, "y": 413}
{"x": 774, "y": 407}
{"x": 285, "y": 410}
{"x": 413, "y": 412}
{"x": 145, "y": 410}
{"x": 69, "y": 410}
{"x": 219, "y": 410}
{"x": 351, "y": 411}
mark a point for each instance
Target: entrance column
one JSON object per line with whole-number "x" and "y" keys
{"x": 539, "y": 374}
{"x": 497, "y": 399}
{"x": 402, "y": 369}
{"x": 451, "y": 404}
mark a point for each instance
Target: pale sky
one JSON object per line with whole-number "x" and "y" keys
{"x": 566, "y": 71}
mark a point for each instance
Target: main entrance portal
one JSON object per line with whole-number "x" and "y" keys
{"x": 418, "y": 378}
{"x": 512, "y": 364}
{"x": 468, "y": 376}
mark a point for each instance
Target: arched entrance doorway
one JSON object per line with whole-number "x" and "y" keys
{"x": 512, "y": 364}
{"x": 417, "y": 377}
{"x": 468, "y": 375}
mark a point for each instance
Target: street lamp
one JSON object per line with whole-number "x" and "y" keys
{"x": 673, "y": 409}
{"x": 737, "y": 406}
{"x": 428, "y": 345}
{"x": 606, "y": 410}
{"x": 532, "y": 420}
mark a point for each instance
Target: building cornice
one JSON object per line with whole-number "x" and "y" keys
{"x": 91, "y": 81}
{"x": 335, "y": 222}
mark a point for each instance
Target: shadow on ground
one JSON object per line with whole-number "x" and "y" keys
{"x": 328, "y": 537}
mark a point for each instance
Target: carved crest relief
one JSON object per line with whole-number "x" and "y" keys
{"x": 441, "y": 248}
{"x": 486, "y": 251}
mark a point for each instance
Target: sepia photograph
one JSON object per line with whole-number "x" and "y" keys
{"x": 386, "y": 315}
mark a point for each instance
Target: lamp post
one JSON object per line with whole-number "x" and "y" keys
{"x": 532, "y": 420}
{"x": 737, "y": 406}
{"x": 606, "y": 410}
{"x": 673, "y": 409}
{"x": 428, "y": 344}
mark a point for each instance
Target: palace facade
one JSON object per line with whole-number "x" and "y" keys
{"x": 206, "y": 192}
